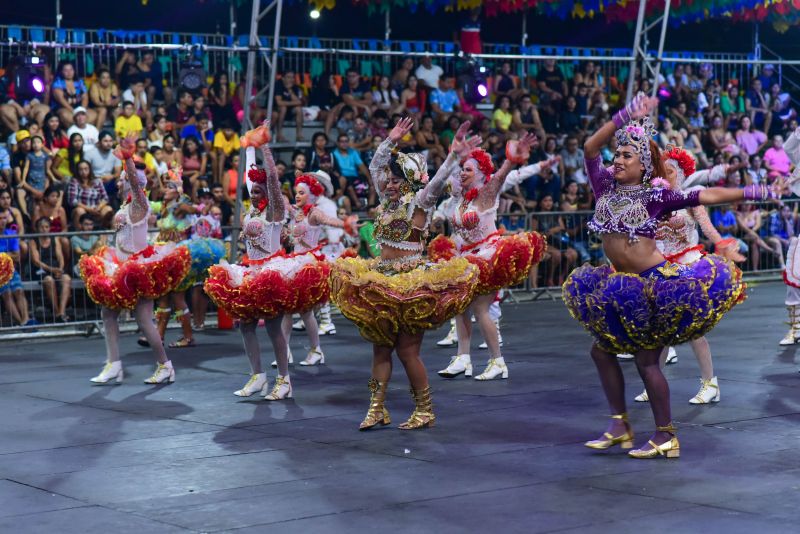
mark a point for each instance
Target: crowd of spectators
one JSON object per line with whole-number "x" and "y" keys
{"x": 58, "y": 171}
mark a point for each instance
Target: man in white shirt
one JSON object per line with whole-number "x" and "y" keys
{"x": 105, "y": 164}
{"x": 82, "y": 126}
{"x": 427, "y": 73}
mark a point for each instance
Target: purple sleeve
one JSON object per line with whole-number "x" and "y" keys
{"x": 676, "y": 200}
{"x": 600, "y": 177}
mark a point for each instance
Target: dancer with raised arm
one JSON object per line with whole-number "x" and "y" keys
{"x": 394, "y": 298}
{"x": 132, "y": 274}
{"x": 678, "y": 240}
{"x": 267, "y": 283}
{"x": 502, "y": 260}
{"x": 307, "y": 222}
{"x": 791, "y": 274}
{"x": 644, "y": 302}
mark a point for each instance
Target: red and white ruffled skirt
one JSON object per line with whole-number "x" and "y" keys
{"x": 264, "y": 289}
{"x": 119, "y": 283}
{"x": 503, "y": 260}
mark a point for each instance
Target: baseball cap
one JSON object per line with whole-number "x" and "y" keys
{"x": 204, "y": 192}
{"x": 769, "y": 66}
{"x": 79, "y": 109}
{"x": 22, "y": 135}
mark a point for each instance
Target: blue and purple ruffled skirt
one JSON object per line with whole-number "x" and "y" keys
{"x": 666, "y": 305}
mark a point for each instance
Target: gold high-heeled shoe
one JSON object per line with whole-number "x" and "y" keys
{"x": 625, "y": 441}
{"x": 668, "y": 449}
{"x": 377, "y": 413}
{"x": 422, "y": 416}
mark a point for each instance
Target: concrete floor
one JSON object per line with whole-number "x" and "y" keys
{"x": 504, "y": 455}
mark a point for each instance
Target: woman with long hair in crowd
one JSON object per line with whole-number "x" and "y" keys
{"x": 55, "y": 136}
{"x": 394, "y": 298}
{"x": 642, "y": 302}
{"x": 267, "y": 283}
{"x": 502, "y": 260}
{"x": 132, "y": 274}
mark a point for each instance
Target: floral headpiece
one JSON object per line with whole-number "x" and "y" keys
{"x": 175, "y": 178}
{"x": 484, "y": 161}
{"x": 311, "y": 183}
{"x": 681, "y": 160}
{"x": 257, "y": 176}
{"x": 415, "y": 169}
{"x": 637, "y": 135}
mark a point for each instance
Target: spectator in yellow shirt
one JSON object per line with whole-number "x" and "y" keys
{"x": 150, "y": 163}
{"x": 226, "y": 142}
{"x": 128, "y": 121}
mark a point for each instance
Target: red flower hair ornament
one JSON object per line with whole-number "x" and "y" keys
{"x": 683, "y": 160}
{"x": 312, "y": 183}
{"x": 484, "y": 161}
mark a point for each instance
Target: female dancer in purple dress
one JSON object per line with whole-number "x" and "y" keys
{"x": 644, "y": 303}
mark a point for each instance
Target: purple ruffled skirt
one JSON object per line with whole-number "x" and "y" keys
{"x": 666, "y": 305}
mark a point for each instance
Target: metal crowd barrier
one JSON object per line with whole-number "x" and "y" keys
{"x": 569, "y": 245}
{"x": 312, "y": 61}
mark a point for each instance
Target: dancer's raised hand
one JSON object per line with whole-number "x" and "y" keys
{"x": 126, "y": 147}
{"x": 401, "y": 129}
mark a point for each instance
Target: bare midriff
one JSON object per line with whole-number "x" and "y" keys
{"x": 631, "y": 256}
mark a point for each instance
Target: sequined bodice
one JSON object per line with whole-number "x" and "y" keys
{"x": 625, "y": 210}
{"x": 677, "y": 233}
{"x": 394, "y": 225}
{"x": 130, "y": 238}
{"x": 633, "y": 210}
{"x": 263, "y": 238}
{"x": 470, "y": 225}
{"x": 305, "y": 235}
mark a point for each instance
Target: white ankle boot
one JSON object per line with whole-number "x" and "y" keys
{"x": 315, "y": 357}
{"x": 461, "y": 363}
{"x": 793, "y": 335}
{"x": 642, "y": 397}
{"x": 111, "y": 371}
{"x": 289, "y": 353}
{"x": 257, "y": 382}
{"x": 281, "y": 390}
{"x": 298, "y": 325}
{"x": 672, "y": 356}
{"x": 164, "y": 373}
{"x": 484, "y": 345}
{"x": 326, "y": 326}
{"x": 451, "y": 338}
{"x": 496, "y": 367}
{"x": 709, "y": 392}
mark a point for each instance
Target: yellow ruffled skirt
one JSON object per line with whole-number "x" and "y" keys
{"x": 386, "y": 298}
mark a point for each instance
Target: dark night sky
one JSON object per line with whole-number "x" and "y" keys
{"x": 347, "y": 21}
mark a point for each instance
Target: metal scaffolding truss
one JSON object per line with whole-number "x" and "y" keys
{"x": 255, "y": 48}
{"x": 650, "y": 66}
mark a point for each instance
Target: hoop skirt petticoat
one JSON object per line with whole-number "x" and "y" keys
{"x": 502, "y": 260}
{"x": 205, "y": 252}
{"x": 666, "y": 305}
{"x": 384, "y": 298}
{"x": 6, "y": 268}
{"x": 264, "y": 289}
{"x": 120, "y": 283}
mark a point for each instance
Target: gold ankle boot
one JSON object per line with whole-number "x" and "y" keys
{"x": 669, "y": 449}
{"x": 625, "y": 440}
{"x": 422, "y": 415}
{"x": 377, "y": 413}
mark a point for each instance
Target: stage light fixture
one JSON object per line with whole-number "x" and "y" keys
{"x": 472, "y": 82}
{"x": 314, "y": 14}
{"x": 29, "y": 77}
{"x": 192, "y": 76}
